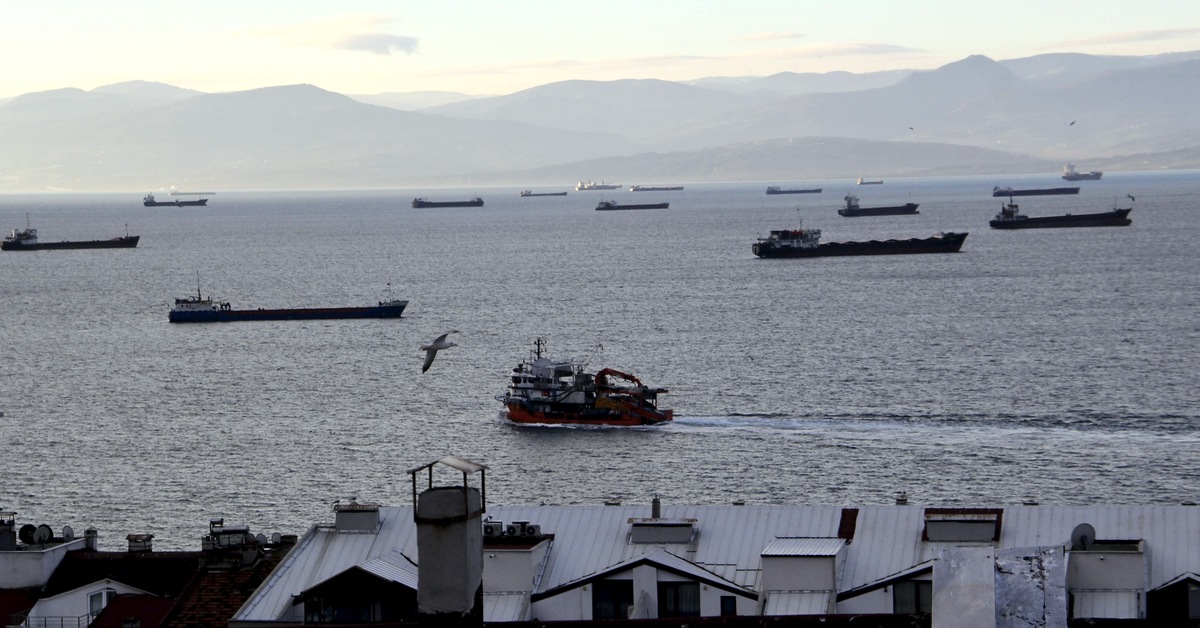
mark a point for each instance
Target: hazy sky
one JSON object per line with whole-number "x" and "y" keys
{"x": 503, "y": 46}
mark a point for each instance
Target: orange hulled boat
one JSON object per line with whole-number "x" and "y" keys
{"x": 551, "y": 392}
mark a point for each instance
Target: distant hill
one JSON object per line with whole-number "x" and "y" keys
{"x": 973, "y": 115}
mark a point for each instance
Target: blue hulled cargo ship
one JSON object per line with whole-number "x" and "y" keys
{"x": 200, "y": 309}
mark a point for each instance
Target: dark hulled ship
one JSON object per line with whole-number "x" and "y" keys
{"x": 199, "y": 309}
{"x": 807, "y": 243}
{"x": 853, "y": 209}
{"x": 1007, "y": 191}
{"x": 1010, "y": 217}
{"x": 420, "y": 203}
{"x": 27, "y": 240}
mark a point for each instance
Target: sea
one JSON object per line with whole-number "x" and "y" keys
{"x": 1052, "y": 366}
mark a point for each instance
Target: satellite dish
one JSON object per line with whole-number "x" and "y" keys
{"x": 1083, "y": 537}
{"x": 260, "y": 537}
{"x": 68, "y": 534}
{"x": 43, "y": 534}
{"x": 275, "y": 537}
{"x": 26, "y": 533}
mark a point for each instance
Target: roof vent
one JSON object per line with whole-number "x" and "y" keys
{"x": 140, "y": 542}
{"x": 662, "y": 530}
{"x": 964, "y": 525}
{"x": 356, "y": 517}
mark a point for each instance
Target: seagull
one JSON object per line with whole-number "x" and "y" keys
{"x": 1072, "y": 123}
{"x": 1131, "y": 197}
{"x": 432, "y": 348}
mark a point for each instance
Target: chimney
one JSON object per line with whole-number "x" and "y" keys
{"x": 450, "y": 543}
{"x": 140, "y": 543}
{"x": 655, "y": 508}
{"x": 91, "y": 538}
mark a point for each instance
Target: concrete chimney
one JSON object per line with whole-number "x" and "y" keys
{"x": 655, "y": 507}
{"x": 8, "y": 531}
{"x": 450, "y": 546}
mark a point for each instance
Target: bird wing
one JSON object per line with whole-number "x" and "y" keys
{"x": 429, "y": 355}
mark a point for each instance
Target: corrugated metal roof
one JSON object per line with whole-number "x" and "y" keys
{"x": 804, "y": 547}
{"x": 1106, "y": 604}
{"x": 392, "y": 566}
{"x": 731, "y": 540}
{"x": 798, "y": 603}
{"x": 506, "y": 606}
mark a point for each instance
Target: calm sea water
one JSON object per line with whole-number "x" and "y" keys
{"x": 1049, "y": 365}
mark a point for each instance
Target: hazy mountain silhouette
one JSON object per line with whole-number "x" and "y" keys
{"x": 972, "y": 115}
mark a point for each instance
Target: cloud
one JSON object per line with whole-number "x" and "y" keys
{"x": 772, "y": 36}
{"x": 1130, "y": 37}
{"x": 359, "y": 32}
{"x": 852, "y": 50}
{"x": 377, "y": 43}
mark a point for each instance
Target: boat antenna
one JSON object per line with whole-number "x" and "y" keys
{"x": 598, "y": 348}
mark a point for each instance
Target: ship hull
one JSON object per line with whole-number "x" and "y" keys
{"x": 544, "y": 194}
{"x": 806, "y": 191}
{"x": 895, "y": 210}
{"x": 603, "y": 207}
{"x": 948, "y": 243}
{"x": 1034, "y": 192}
{"x": 124, "y": 242}
{"x": 325, "y": 313}
{"x": 660, "y": 188}
{"x": 1117, "y": 218}
{"x": 520, "y": 413}
{"x": 1083, "y": 176}
{"x": 196, "y": 203}
{"x": 420, "y": 204}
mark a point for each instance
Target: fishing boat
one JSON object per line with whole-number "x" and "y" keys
{"x": 1010, "y": 217}
{"x": 804, "y": 242}
{"x": 201, "y": 309}
{"x": 542, "y": 390}
{"x": 532, "y": 193}
{"x": 27, "y": 240}
{"x": 775, "y": 189}
{"x": 420, "y": 203}
{"x": 613, "y": 205}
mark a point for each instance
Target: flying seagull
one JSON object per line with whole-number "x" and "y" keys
{"x": 432, "y": 348}
{"x": 1072, "y": 123}
{"x": 1131, "y": 197}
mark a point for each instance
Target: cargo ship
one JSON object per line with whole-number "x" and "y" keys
{"x": 27, "y": 240}
{"x": 807, "y": 243}
{"x": 1007, "y": 191}
{"x": 613, "y": 205}
{"x": 532, "y": 193}
{"x": 149, "y": 201}
{"x": 592, "y": 185}
{"x": 774, "y": 189}
{"x": 1010, "y": 217}
{"x": 853, "y": 209}
{"x": 655, "y": 188}
{"x": 1070, "y": 174}
{"x": 420, "y": 203}
{"x": 200, "y": 309}
{"x": 556, "y": 392}
{"x": 862, "y": 181}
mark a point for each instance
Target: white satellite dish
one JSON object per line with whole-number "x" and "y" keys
{"x": 43, "y": 534}
{"x": 68, "y": 534}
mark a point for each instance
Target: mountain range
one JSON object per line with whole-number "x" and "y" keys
{"x": 975, "y": 115}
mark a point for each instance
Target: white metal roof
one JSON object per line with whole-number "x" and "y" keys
{"x": 798, "y": 603}
{"x": 730, "y": 541}
{"x": 505, "y": 606}
{"x": 804, "y": 547}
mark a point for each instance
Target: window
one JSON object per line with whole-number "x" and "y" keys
{"x": 612, "y": 599}
{"x": 912, "y": 597}
{"x": 678, "y": 599}
{"x": 728, "y": 605}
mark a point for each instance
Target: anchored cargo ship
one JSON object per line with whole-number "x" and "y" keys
{"x": 613, "y": 205}
{"x": 774, "y": 189}
{"x": 1010, "y": 217}
{"x": 592, "y": 185}
{"x": 422, "y": 203}
{"x": 1007, "y": 191}
{"x": 1070, "y": 174}
{"x": 807, "y": 243}
{"x": 852, "y": 209}
{"x": 532, "y": 193}
{"x": 199, "y": 309}
{"x": 149, "y": 201}
{"x": 27, "y": 240}
{"x": 546, "y": 391}
{"x": 655, "y": 188}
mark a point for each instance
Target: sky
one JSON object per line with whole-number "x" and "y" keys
{"x": 504, "y": 46}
